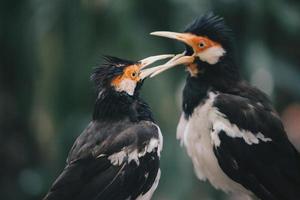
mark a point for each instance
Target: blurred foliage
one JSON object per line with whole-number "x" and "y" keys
{"x": 48, "y": 49}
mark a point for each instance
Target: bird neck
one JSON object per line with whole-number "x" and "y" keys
{"x": 114, "y": 106}
{"x": 220, "y": 77}
{"x": 195, "y": 91}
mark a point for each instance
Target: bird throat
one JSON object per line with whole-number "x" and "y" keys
{"x": 221, "y": 77}
{"x": 193, "y": 69}
{"x": 194, "y": 92}
{"x": 113, "y": 106}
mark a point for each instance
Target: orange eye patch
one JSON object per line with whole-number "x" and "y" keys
{"x": 202, "y": 43}
{"x": 131, "y": 72}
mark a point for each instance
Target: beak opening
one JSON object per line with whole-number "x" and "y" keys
{"x": 148, "y": 61}
{"x": 176, "y": 60}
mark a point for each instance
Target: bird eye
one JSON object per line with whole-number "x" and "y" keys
{"x": 133, "y": 74}
{"x": 202, "y": 45}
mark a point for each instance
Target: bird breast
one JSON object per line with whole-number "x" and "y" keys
{"x": 195, "y": 133}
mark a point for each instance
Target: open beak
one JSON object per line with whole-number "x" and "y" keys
{"x": 176, "y": 60}
{"x": 179, "y": 59}
{"x": 150, "y": 60}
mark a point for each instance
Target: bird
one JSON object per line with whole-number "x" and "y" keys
{"x": 230, "y": 130}
{"x": 117, "y": 156}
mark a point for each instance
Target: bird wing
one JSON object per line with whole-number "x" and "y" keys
{"x": 115, "y": 166}
{"x": 252, "y": 148}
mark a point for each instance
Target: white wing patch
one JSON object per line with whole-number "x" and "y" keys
{"x": 221, "y": 123}
{"x": 117, "y": 158}
{"x": 200, "y": 141}
{"x": 127, "y": 154}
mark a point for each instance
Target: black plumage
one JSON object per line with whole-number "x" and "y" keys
{"x": 122, "y": 125}
{"x": 270, "y": 170}
{"x": 213, "y": 27}
{"x": 232, "y": 133}
{"x": 112, "y": 67}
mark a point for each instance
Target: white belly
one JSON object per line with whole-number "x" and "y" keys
{"x": 196, "y": 136}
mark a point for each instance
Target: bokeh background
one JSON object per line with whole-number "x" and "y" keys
{"x": 49, "y": 48}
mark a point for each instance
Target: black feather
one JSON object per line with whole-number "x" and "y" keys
{"x": 112, "y": 67}
{"x": 120, "y": 121}
{"x": 91, "y": 176}
{"x": 269, "y": 169}
{"x": 112, "y": 105}
{"x": 224, "y": 74}
{"x": 213, "y": 27}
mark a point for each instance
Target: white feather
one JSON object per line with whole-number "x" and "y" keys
{"x": 212, "y": 54}
{"x": 160, "y": 140}
{"x": 134, "y": 155}
{"x": 199, "y": 140}
{"x": 126, "y": 85}
{"x": 220, "y": 123}
{"x": 181, "y": 128}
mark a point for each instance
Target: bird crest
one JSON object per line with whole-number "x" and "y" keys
{"x": 213, "y": 27}
{"x": 112, "y": 67}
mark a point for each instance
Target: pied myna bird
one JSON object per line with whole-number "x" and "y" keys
{"x": 117, "y": 156}
{"x": 229, "y": 128}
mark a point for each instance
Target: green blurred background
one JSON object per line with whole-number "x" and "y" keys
{"x": 48, "y": 50}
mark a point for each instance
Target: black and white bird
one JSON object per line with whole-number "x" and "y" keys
{"x": 117, "y": 156}
{"x": 230, "y": 130}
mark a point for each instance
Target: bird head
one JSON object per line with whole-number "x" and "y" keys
{"x": 122, "y": 75}
{"x": 207, "y": 40}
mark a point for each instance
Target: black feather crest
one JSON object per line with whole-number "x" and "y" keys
{"x": 112, "y": 67}
{"x": 213, "y": 27}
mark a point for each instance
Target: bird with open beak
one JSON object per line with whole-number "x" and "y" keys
{"x": 117, "y": 156}
{"x": 230, "y": 130}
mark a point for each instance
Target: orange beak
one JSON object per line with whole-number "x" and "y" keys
{"x": 186, "y": 38}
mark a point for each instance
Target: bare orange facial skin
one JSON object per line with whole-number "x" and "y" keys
{"x": 192, "y": 68}
{"x": 198, "y": 43}
{"x": 131, "y": 72}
